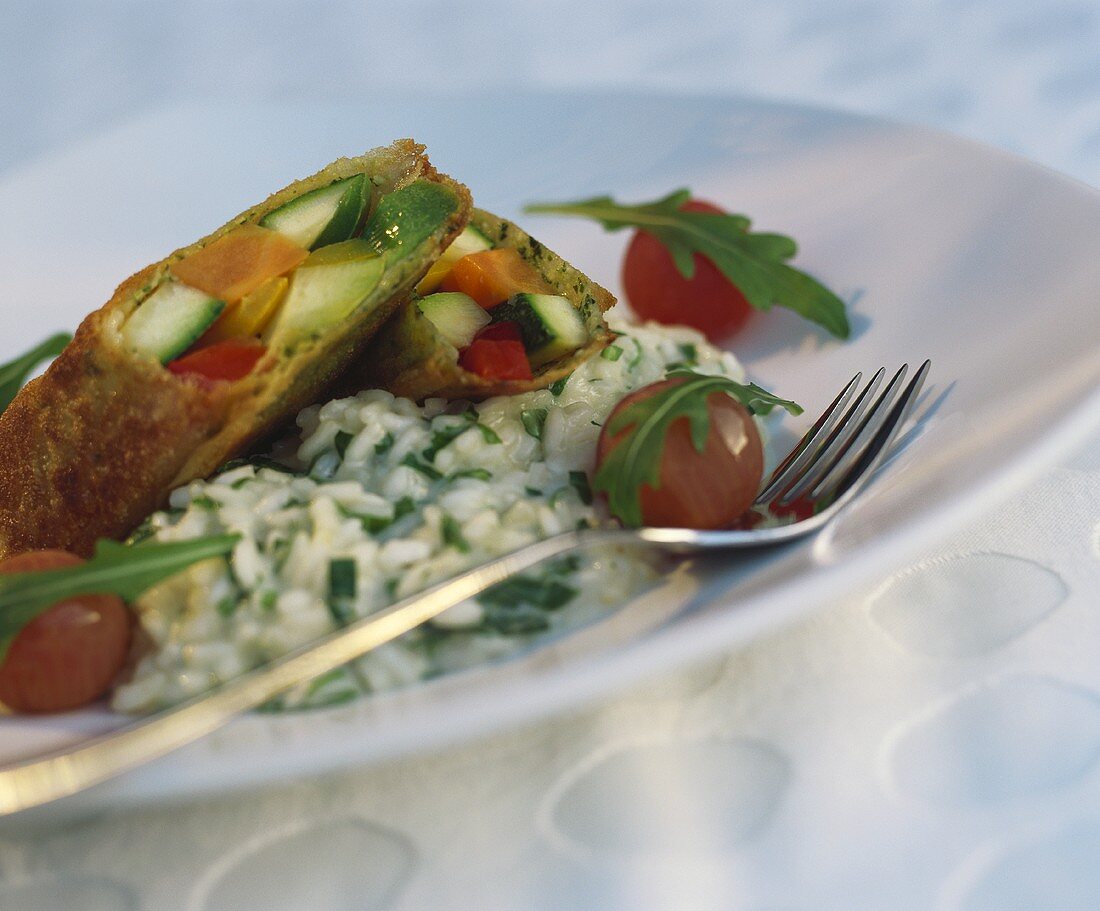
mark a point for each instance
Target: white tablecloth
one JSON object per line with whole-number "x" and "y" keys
{"x": 931, "y": 744}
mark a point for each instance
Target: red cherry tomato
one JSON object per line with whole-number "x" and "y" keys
{"x": 708, "y": 489}
{"x": 656, "y": 290}
{"x": 232, "y": 359}
{"x": 68, "y": 655}
{"x": 508, "y": 331}
{"x": 496, "y": 359}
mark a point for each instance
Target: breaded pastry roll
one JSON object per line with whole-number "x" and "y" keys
{"x": 497, "y": 314}
{"x": 198, "y": 356}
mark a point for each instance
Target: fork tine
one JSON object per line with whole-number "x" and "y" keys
{"x": 883, "y": 438}
{"x": 838, "y": 434}
{"x": 854, "y": 430}
{"x": 803, "y": 451}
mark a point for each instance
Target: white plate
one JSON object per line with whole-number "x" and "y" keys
{"x": 985, "y": 263}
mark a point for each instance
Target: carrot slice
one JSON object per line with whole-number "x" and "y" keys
{"x": 493, "y": 276}
{"x": 238, "y": 263}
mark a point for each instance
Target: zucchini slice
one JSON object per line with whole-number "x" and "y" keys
{"x": 551, "y": 327}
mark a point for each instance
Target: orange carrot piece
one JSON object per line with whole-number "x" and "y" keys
{"x": 237, "y": 263}
{"x": 493, "y": 276}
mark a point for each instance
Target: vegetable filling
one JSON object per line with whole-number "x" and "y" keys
{"x": 304, "y": 267}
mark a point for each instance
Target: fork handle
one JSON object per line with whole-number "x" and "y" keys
{"x": 32, "y": 782}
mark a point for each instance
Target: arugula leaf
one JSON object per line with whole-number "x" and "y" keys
{"x": 636, "y": 460}
{"x": 117, "y": 569}
{"x": 14, "y": 373}
{"x": 755, "y": 263}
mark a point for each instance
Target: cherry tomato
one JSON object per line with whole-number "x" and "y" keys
{"x": 656, "y": 290}
{"x": 68, "y": 655}
{"x": 708, "y": 489}
{"x": 232, "y": 359}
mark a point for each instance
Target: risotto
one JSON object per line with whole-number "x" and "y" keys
{"x": 383, "y": 497}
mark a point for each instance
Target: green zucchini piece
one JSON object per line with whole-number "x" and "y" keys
{"x": 324, "y": 216}
{"x": 170, "y": 320}
{"x": 456, "y": 316}
{"x": 326, "y": 289}
{"x": 408, "y": 216}
{"x": 550, "y": 326}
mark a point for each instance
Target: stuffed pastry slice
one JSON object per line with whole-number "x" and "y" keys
{"x": 200, "y": 355}
{"x": 497, "y": 314}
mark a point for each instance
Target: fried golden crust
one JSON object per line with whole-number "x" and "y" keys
{"x": 98, "y": 442}
{"x": 409, "y": 358}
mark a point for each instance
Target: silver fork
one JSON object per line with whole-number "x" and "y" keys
{"x": 828, "y": 467}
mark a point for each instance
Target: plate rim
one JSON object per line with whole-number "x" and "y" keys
{"x": 601, "y": 676}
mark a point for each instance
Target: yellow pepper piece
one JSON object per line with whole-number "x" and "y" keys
{"x": 469, "y": 241}
{"x": 250, "y": 315}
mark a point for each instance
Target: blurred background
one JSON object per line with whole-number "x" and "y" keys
{"x": 1021, "y": 74}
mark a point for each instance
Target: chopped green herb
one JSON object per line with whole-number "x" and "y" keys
{"x": 371, "y": 524}
{"x": 442, "y": 438}
{"x": 390, "y": 588}
{"x": 563, "y": 566}
{"x": 341, "y": 578}
{"x": 452, "y": 534}
{"x": 480, "y": 473}
{"x": 579, "y": 482}
{"x": 532, "y": 491}
{"x": 558, "y": 386}
{"x": 517, "y": 620}
{"x": 268, "y": 599}
{"x": 611, "y": 353}
{"x": 341, "y": 611}
{"x": 424, "y": 468}
{"x": 557, "y": 594}
{"x": 384, "y": 445}
{"x": 533, "y": 420}
{"x": 403, "y": 507}
{"x": 543, "y": 593}
{"x": 690, "y": 353}
{"x": 342, "y": 441}
{"x": 334, "y": 688}
{"x": 341, "y": 589}
{"x": 204, "y": 502}
{"x": 227, "y": 606}
{"x": 487, "y": 433}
